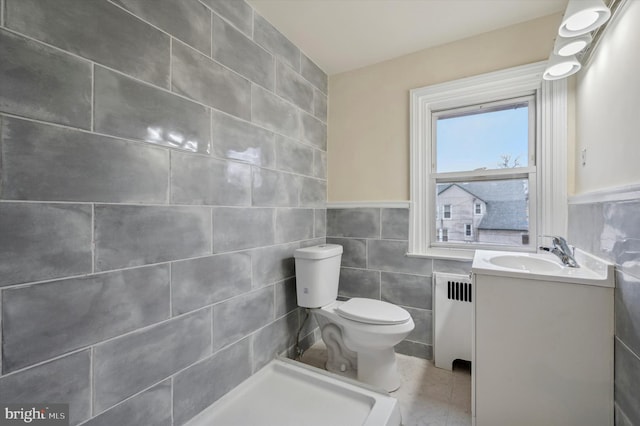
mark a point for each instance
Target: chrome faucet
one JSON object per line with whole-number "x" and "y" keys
{"x": 562, "y": 250}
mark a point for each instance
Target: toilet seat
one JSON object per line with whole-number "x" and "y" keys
{"x": 370, "y": 311}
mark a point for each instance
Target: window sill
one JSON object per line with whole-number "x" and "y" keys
{"x": 445, "y": 254}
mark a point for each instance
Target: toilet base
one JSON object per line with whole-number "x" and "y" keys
{"x": 340, "y": 359}
{"x": 379, "y": 368}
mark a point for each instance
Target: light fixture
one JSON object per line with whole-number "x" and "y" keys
{"x": 560, "y": 67}
{"x": 571, "y": 46}
{"x": 583, "y": 16}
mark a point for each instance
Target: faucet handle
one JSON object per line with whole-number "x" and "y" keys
{"x": 561, "y": 244}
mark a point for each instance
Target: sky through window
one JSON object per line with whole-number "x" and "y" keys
{"x": 480, "y": 140}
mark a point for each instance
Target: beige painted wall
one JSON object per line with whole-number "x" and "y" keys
{"x": 608, "y": 108}
{"x": 368, "y": 135}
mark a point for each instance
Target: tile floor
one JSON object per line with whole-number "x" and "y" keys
{"x": 429, "y": 396}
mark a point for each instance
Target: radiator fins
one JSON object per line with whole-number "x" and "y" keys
{"x": 459, "y": 291}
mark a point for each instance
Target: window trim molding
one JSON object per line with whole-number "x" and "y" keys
{"x": 551, "y": 143}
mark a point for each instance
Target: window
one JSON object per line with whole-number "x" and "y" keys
{"x": 446, "y": 211}
{"x": 486, "y": 152}
{"x": 443, "y": 234}
{"x": 491, "y": 147}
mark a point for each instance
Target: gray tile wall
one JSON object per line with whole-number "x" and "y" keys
{"x": 375, "y": 265}
{"x": 161, "y": 161}
{"x": 611, "y": 230}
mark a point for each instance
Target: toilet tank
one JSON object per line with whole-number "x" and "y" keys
{"x": 317, "y": 274}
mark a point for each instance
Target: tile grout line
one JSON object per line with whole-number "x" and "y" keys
{"x": 253, "y": 24}
{"x": 210, "y": 31}
{"x": 171, "y": 386}
{"x": 211, "y": 142}
{"x": 211, "y": 346}
{"x": 135, "y": 395}
{"x": 93, "y": 238}
{"x": 315, "y": 220}
{"x": 274, "y": 220}
{"x": 93, "y": 96}
{"x": 149, "y": 265}
{"x": 274, "y": 67}
{"x": 251, "y": 109}
{"x": 177, "y": 206}
{"x": 275, "y": 303}
{"x": 171, "y": 64}
{"x": 212, "y": 231}
{"x": 92, "y": 384}
{"x": 366, "y": 253}
{"x": 228, "y": 21}
{"x": 627, "y": 348}
{"x": 147, "y": 22}
{"x": 252, "y": 354}
{"x": 169, "y": 178}
{"x": 170, "y": 290}
{"x": 151, "y": 145}
{"x": 90, "y": 347}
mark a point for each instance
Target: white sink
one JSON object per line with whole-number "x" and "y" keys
{"x": 526, "y": 263}
{"x": 544, "y": 266}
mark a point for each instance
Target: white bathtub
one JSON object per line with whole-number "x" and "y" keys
{"x": 287, "y": 393}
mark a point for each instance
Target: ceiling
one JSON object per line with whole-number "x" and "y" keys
{"x": 342, "y": 35}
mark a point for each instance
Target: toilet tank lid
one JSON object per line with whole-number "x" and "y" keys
{"x": 372, "y": 311}
{"x": 323, "y": 251}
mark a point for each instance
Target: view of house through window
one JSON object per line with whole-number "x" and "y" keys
{"x": 482, "y": 174}
{"x": 505, "y": 212}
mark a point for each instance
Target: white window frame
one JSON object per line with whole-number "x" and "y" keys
{"x": 475, "y": 209}
{"x": 467, "y": 226}
{"x": 527, "y": 172}
{"x": 550, "y": 202}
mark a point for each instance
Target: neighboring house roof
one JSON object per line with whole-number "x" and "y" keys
{"x": 506, "y": 216}
{"x": 506, "y": 201}
{"x": 444, "y": 187}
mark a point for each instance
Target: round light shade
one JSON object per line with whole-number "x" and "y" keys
{"x": 571, "y": 46}
{"x": 583, "y": 16}
{"x": 560, "y": 67}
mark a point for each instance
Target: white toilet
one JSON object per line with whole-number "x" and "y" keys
{"x": 365, "y": 329}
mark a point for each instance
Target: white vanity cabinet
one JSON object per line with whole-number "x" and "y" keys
{"x": 542, "y": 342}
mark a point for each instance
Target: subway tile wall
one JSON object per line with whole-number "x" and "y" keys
{"x": 375, "y": 265}
{"x": 161, "y": 161}
{"x": 611, "y": 230}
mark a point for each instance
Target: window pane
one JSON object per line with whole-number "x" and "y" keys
{"x": 504, "y": 207}
{"x": 486, "y": 139}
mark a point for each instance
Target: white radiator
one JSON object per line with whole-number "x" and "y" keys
{"x": 453, "y": 318}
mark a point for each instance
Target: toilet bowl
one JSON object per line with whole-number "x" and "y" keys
{"x": 367, "y": 327}
{"x": 372, "y": 341}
